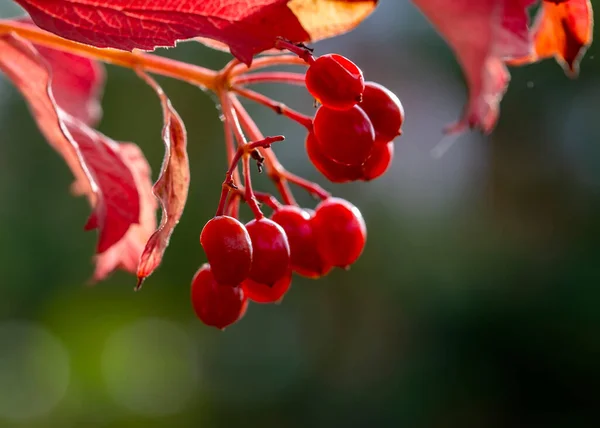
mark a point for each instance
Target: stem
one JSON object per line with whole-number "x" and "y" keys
{"x": 269, "y": 200}
{"x": 232, "y": 119}
{"x": 277, "y": 172}
{"x": 270, "y": 77}
{"x": 233, "y": 204}
{"x": 277, "y": 107}
{"x": 232, "y": 176}
{"x": 298, "y": 49}
{"x": 189, "y": 73}
{"x": 223, "y": 199}
{"x": 274, "y": 168}
{"x": 267, "y": 61}
{"x": 248, "y": 150}
{"x": 312, "y": 188}
{"x": 262, "y": 197}
{"x": 229, "y": 67}
{"x": 249, "y": 193}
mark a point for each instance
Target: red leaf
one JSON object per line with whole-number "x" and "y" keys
{"x": 95, "y": 160}
{"x": 126, "y": 253}
{"x": 483, "y": 34}
{"x": 247, "y": 26}
{"x": 563, "y": 30}
{"x": 77, "y": 82}
{"x": 320, "y": 18}
{"x": 171, "y": 187}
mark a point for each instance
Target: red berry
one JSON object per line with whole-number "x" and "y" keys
{"x": 216, "y": 305}
{"x": 261, "y": 293}
{"x": 305, "y": 258}
{"x": 335, "y": 81}
{"x": 340, "y": 230}
{"x": 271, "y": 251}
{"x": 346, "y": 137}
{"x": 385, "y": 111}
{"x": 228, "y": 249}
{"x": 379, "y": 162}
{"x": 333, "y": 171}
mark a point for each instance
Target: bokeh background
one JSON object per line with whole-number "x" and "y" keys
{"x": 475, "y": 304}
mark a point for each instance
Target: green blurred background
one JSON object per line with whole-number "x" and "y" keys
{"x": 475, "y": 304}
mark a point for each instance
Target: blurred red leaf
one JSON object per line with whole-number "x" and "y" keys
{"x": 95, "y": 159}
{"x": 563, "y": 30}
{"x": 486, "y": 34}
{"x": 246, "y": 26}
{"x": 77, "y": 84}
{"x": 126, "y": 253}
{"x": 171, "y": 187}
{"x": 483, "y": 34}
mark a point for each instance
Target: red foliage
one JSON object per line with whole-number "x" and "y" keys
{"x": 171, "y": 187}
{"x": 246, "y": 26}
{"x": 62, "y": 83}
{"x": 563, "y": 30}
{"x": 484, "y": 34}
{"x": 95, "y": 160}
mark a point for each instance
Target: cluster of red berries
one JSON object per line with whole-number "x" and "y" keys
{"x": 255, "y": 261}
{"x": 349, "y": 138}
{"x": 353, "y": 129}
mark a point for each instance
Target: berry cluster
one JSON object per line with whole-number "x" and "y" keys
{"x": 349, "y": 138}
{"x": 352, "y": 133}
{"x": 255, "y": 261}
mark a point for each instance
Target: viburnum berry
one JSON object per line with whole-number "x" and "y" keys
{"x": 261, "y": 293}
{"x": 335, "y": 81}
{"x": 333, "y": 171}
{"x": 341, "y": 232}
{"x": 297, "y": 224}
{"x": 271, "y": 251}
{"x": 228, "y": 249}
{"x": 215, "y": 304}
{"x": 346, "y": 137}
{"x": 385, "y": 110}
{"x": 379, "y": 162}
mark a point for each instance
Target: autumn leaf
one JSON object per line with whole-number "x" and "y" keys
{"x": 246, "y": 26}
{"x": 94, "y": 159}
{"x": 483, "y": 34}
{"x": 563, "y": 30}
{"x": 171, "y": 187}
{"x": 319, "y": 18}
{"x": 486, "y": 34}
{"x": 126, "y": 253}
{"x": 327, "y": 18}
{"x": 77, "y": 82}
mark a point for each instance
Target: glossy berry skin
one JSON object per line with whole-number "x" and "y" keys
{"x": 379, "y": 162}
{"x": 335, "y": 81}
{"x": 228, "y": 249}
{"x": 216, "y": 305}
{"x": 333, "y": 171}
{"x": 341, "y": 232}
{"x": 346, "y": 137}
{"x": 305, "y": 258}
{"x": 385, "y": 111}
{"x": 261, "y": 293}
{"x": 271, "y": 251}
